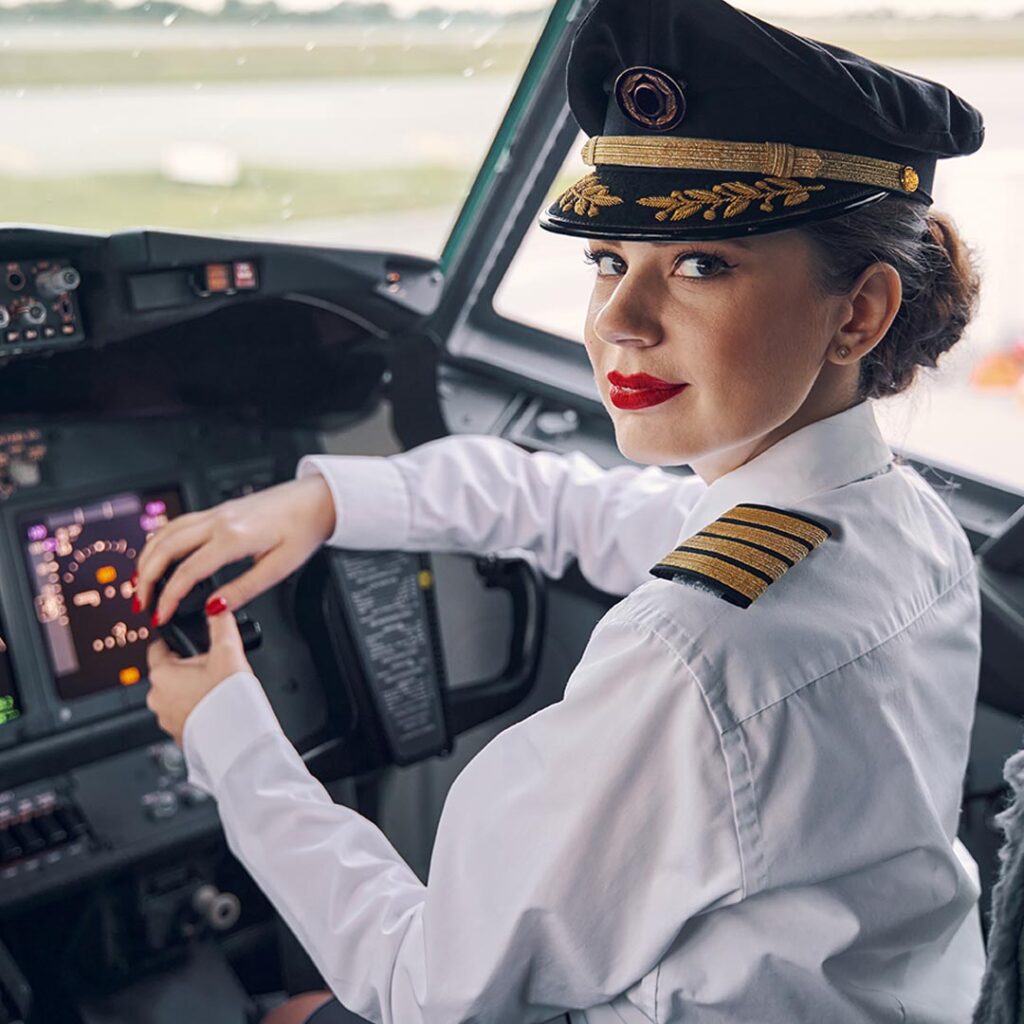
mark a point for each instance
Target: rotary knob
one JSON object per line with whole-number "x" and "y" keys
{"x": 5, "y": 317}
{"x": 32, "y": 313}
{"x": 57, "y": 281}
{"x": 220, "y": 910}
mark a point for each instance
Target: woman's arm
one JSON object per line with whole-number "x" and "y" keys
{"x": 570, "y": 852}
{"x": 478, "y": 493}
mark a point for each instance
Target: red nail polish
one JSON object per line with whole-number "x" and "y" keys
{"x": 135, "y": 578}
{"x": 216, "y": 605}
{"x": 136, "y": 607}
{"x": 155, "y": 620}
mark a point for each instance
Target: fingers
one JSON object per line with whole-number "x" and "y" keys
{"x": 201, "y": 564}
{"x": 224, "y": 632}
{"x": 269, "y": 570}
{"x": 168, "y": 544}
{"x": 158, "y": 653}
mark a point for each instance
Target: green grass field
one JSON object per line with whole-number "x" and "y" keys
{"x": 24, "y": 68}
{"x": 499, "y": 55}
{"x": 262, "y": 196}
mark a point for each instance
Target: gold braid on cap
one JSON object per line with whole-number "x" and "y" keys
{"x": 781, "y": 159}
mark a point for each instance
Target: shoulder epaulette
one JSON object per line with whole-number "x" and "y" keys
{"x": 743, "y": 552}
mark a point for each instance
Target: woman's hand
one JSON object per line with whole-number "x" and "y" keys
{"x": 280, "y": 527}
{"x": 177, "y": 685}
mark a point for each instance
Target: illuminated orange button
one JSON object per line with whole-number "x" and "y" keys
{"x": 106, "y": 574}
{"x": 218, "y": 277}
{"x": 129, "y": 676}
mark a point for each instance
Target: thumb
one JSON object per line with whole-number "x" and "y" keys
{"x": 224, "y": 633}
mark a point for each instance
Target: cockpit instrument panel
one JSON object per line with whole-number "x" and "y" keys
{"x": 21, "y": 456}
{"x": 80, "y": 561}
{"x": 38, "y": 305}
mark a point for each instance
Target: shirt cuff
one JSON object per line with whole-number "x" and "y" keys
{"x": 371, "y": 502}
{"x": 225, "y": 722}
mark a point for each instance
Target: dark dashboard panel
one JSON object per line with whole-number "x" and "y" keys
{"x": 170, "y": 323}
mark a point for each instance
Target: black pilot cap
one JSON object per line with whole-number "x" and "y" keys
{"x": 706, "y": 122}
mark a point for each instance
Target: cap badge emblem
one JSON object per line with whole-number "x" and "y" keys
{"x": 650, "y": 98}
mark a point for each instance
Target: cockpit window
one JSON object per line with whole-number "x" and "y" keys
{"x": 969, "y": 411}
{"x": 348, "y": 123}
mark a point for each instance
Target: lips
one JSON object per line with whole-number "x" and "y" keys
{"x": 640, "y": 390}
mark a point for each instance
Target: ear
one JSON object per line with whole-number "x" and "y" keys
{"x": 874, "y": 301}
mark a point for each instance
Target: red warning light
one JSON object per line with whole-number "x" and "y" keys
{"x": 245, "y": 274}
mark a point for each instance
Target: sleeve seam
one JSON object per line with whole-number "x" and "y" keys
{"x": 648, "y": 628}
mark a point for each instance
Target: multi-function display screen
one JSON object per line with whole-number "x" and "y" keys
{"x": 9, "y": 709}
{"x": 81, "y": 561}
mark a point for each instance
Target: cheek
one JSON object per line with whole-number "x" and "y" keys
{"x": 751, "y": 335}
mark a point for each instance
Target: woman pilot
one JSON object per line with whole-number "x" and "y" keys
{"x": 745, "y": 807}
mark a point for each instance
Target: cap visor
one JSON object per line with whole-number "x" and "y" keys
{"x": 644, "y": 204}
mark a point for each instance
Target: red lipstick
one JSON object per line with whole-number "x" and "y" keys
{"x": 640, "y": 390}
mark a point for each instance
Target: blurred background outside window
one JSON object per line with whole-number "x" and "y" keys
{"x": 329, "y": 121}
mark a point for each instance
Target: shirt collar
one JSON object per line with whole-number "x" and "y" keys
{"x": 818, "y": 457}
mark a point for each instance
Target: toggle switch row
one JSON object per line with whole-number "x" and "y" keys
{"x": 49, "y": 826}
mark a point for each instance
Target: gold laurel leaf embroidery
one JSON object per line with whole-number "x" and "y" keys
{"x": 738, "y": 189}
{"x": 703, "y": 194}
{"x": 736, "y": 194}
{"x": 587, "y": 196}
{"x": 675, "y": 206}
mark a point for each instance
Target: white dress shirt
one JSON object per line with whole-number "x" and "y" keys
{"x": 734, "y": 815}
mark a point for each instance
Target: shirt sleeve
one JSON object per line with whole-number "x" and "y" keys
{"x": 570, "y": 851}
{"x": 479, "y": 493}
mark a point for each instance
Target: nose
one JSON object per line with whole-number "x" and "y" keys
{"x": 629, "y": 315}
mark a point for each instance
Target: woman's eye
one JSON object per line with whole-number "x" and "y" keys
{"x": 703, "y": 264}
{"x": 606, "y": 262}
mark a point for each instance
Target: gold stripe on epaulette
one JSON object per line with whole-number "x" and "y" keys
{"x": 783, "y": 546}
{"x": 759, "y": 515}
{"x": 746, "y": 583}
{"x": 740, "y": 554}
{"x": 754, "y": 558}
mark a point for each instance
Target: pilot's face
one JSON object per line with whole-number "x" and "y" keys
{"x": 739, "y": 321}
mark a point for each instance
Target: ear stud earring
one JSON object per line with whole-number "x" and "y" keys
{"x": 843, "y": 351}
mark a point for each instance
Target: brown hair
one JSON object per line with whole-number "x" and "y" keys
{"x": 939, "y": 271}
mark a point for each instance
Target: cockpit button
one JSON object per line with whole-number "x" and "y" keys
{"x": 33, "y": 313}
{"x": 161, "y": 803}
{"x": 25, "y": 835}
{"x": 50, "y": 829}
{"x": 71, "y": 820}
{"x": 9, "y": 848}
{"x": 58, "y": 281}
{"x": 170, "y": 758}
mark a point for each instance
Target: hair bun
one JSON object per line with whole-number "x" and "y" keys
{"x": 939, "y": 272}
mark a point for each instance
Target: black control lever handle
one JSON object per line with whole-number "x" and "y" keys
{"x": 186, "y": 633}
{"x": 477, "y": 702}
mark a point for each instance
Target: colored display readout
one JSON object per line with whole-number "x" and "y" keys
{"x": 9, "y": 709}
{"x": 80, "y": 561}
